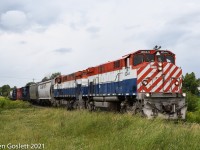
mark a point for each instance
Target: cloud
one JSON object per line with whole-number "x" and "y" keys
{"x": 63, "y": 50}
{"x": 14, "y": 20}
{"x": 93, "y": 29}
{"x": 22, "y": 42}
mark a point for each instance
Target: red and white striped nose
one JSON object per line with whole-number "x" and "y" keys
{"x": 159, "y": 77}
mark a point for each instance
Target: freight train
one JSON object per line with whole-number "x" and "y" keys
{"x": 145, "y": 82}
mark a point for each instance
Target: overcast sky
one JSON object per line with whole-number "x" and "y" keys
{"x": 40, "y": 37}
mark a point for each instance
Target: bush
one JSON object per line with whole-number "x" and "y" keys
{"x": 193, "y": 116}
{"x": 192, "y": 101}
{"x": 8, "y": 104}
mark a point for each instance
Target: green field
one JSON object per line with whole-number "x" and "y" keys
{"x": 60, "y": 129}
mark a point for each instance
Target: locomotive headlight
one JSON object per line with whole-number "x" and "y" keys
{"x": 160, "y": 64}
{"x": 160, "y": 68}
{"x": 176, "y": 83}
{"x": 147, "y": 95}
{"x": 144, "y": 82}
{"x": 184, "y": 94}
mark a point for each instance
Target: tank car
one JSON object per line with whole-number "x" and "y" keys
{"x": 33, "y": 93}
{"x": 44, "y": 92}
{"x": 145, "y": 82}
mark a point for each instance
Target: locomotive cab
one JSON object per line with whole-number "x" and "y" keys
{"x": 159, "y": 84}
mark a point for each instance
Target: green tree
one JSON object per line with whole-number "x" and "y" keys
{"x": 45, "y": 79}
{"x": 0, "y": 91}
{"x": 29, "y": 83}
{"x": 192, "y": 101}
{"x": 53, "y": 75}
{"x": 5, "y": 90}
{"x": 190, "y": 83}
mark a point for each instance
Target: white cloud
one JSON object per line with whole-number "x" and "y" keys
{"x": 14, "y": 20}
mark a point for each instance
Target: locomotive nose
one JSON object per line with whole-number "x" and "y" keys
{"x": 158, "y": 77}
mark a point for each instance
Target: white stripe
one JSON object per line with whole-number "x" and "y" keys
{"x": 166, "y": 67}
{"x": 148, "y": 75}
{"x": 168, "y": 83}
{"x": 153, "y": 81}
{"x": 157, "y": 86}
{"x": 143, "y": 71}
{"x": 168, "y": 73}
{"x": 173, "y": 75}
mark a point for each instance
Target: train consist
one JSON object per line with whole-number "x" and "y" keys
{"x": 145, "y": 82}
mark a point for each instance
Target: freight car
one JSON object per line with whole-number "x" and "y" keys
{"x": 33, "y": 93}
{"x": 25, "y": 93}
{"x": 19, "y": 93}
{"x": 44, "y": 92}
{"x": 41, "y": 93}
{"x": 146, "y": 82}
{"x": 16, "y": 94}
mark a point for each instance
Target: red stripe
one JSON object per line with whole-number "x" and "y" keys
{"x": 154, "y": 84}
{"x": 180, "y": 82}
{"x": 170, "y": 75}
{"x": 140, "y": 70}
{"x": 173, "y": 82}
{"x": 144, "y": 75}
{"x": 150, "y": 79}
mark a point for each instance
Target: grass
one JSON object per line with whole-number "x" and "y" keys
{"x": 59, "y": 129}
{"x": 5, "y": 103}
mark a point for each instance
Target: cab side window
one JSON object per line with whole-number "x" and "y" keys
{"x": 170, "y": 59}
{"x": 150, "y": 58}
{"x": 138, "y": 59}
{"x": 161, "y": 58}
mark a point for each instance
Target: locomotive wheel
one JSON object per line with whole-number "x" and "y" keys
{"x": 69, "y": 105}
{"x": 75, "y": 105}
{"x": 90, "y": 106}
{"x": 131, "y": 110}
{"x": 139, "y": 112}
{"x": 123, "y": 108}
{"x": 127, "y": 108}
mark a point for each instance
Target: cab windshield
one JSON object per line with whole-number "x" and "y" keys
{"x": 165, "y": 58}
{"x": 149, "y": 57}
{"x": 140, "y": 58}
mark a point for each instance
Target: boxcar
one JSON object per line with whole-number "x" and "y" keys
{"x": 25, "y": 93}
{"x": 19, "y": 93}
{"x": 14, "y": 94}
